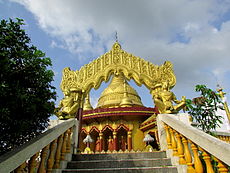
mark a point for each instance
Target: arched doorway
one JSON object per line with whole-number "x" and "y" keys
{"x": 115, "y": 62}
{"x": 81, "y": 143}
{"x": 94, "y": 135}
{"x": 122, "y": 138}
{"x": 107, "y": 136}
{"x": 93, "y": 74}
{"x": 154, "y": 143}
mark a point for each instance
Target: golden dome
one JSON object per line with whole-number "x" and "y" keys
{"x": 118, "y": 93}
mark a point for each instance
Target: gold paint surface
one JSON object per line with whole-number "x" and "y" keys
{"x": 117, "y": 60}
{"x": 113, "y": 95}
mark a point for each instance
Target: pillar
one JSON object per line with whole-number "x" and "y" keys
{"x": 101, "y": 141}
{"x": 157, "y": 138}
{"x": 115, "y": 143}
{"x": 129, "y": 140}
{"x": 79, "y": 114}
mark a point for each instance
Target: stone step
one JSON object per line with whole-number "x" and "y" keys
{"x": 120, "y": 163}
{"x": 115, "y": 156}
{"x": 168, "y": 169}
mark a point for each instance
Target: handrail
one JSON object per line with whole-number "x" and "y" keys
{"x": 11, "y": 160}
{"x": 179, "y": 134}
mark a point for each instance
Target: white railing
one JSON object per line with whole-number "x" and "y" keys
{"x": 45, "y": 152}
{"x": 224, "y": 136}
{"x": 190, "y": 144}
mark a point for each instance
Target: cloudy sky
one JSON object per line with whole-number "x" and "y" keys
{"x": 193, "y": 34}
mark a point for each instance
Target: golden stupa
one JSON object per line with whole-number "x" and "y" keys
{"x": 117, "y": 92}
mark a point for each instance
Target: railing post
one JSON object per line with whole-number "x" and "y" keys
{"x": 32, "y": 163}
{"x": 68, "y": 145}
{"x": 180, "y": 150}
{"x": 188, "y": 156}
{"x": 21, "y": 168}
{"x": 63, "y": 148}
{"x": 222, "y": 168}
{"x": 42, "y": 168}
{"x": 174, "y": 145}
{"x": 207, "y": 160}
{"x": 58, "y": 152}
{"x": 50, "y": 161}
{"x": 168, "y": 137}
{"x": 197, "y": 161}
{"x": 75, "y": 137}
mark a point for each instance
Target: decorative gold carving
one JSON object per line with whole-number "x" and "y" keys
{"x": 69, "y": 105}
{"x": 117, "y": 60}
{"x": 163, "y": 99}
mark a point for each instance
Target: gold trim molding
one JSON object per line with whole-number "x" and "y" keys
{"x": 113, "y": 125}
{"x": 86, "y": 115}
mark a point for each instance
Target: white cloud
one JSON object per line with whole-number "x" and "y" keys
{"x": 150, "y": 29}
{"x": 76, "y": 21}
{"x": 94, "y": 101}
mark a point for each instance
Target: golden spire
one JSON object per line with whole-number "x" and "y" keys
{"x": 126, "y": 102}
{"x": 222, "y": 94}
{"x": 114, "y": 94}
{"x": 116, "y": 37}
{"x": 87, "y": 105}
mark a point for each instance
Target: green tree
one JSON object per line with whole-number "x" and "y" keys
{"x": 203, "y": 109}
{"x": 26, "y": 93}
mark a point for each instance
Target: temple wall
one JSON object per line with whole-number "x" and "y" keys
{"x": 137, "y": 134}
{"x": 137, "y": 137}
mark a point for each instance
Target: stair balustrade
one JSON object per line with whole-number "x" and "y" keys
{"x": 201, "y": 152}
{"x": 43, "y": 153}
{"x": 223, "y": 136}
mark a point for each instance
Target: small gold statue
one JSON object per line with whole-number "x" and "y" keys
{"x": 164, "y": 98}
{"x": 68, "y": 106}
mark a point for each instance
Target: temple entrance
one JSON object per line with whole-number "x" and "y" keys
{"x": 95, "y": 136}
{"x": 122, "y": 139}
{"x": 117, "y": 121}
{"x": 154, "y": 143}
{"x": 108, "y": 139}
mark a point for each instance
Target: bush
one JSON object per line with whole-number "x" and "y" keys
{"x": 203, "y": 109}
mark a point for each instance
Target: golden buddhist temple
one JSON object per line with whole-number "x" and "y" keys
{"x": 120, "y": 121}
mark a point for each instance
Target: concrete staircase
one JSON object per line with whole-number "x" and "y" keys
{"x": 121, "y": 162}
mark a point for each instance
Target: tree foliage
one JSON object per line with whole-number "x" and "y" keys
{"x": 203, "y": 109}
{"x": 26, "y": 94}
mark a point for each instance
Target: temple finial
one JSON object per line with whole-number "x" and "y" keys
{"x": 126, "y": 102}
{"x": 116, "y": 37}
